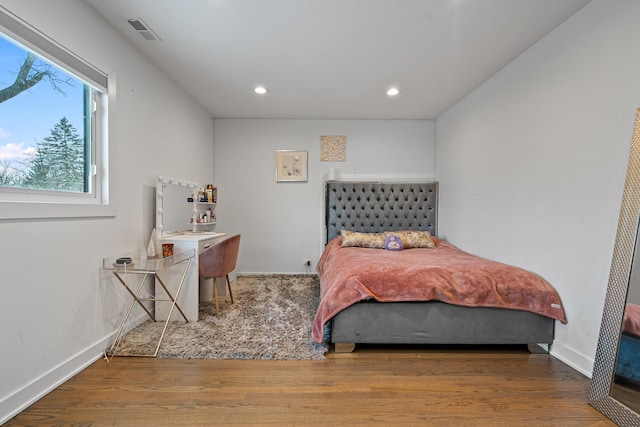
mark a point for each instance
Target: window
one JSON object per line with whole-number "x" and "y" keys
{"x": 52, "y": 125}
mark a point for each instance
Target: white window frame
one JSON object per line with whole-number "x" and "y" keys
{"x": 20, "y": 204}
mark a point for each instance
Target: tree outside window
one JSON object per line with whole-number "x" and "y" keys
{"x": 45, "y": 124}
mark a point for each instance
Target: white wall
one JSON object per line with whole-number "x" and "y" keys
{"x": 57, "y": 314}
{"x": 532, "y": 164}
{"x": 282, "y": 223}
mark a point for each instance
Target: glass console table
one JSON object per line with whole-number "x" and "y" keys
{"x": 127, "y": 267}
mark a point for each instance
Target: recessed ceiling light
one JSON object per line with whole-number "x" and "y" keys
{"x": 260, "y": 90}
{"x": 393, "y": 91}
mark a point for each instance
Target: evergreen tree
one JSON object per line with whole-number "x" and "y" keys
{"x": 59, "y": 161}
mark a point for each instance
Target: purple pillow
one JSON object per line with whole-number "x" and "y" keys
{"x": 393, "y": 243}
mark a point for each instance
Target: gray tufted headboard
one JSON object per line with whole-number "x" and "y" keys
{"x": 373, "y": 207}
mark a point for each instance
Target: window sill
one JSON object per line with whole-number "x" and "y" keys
{"x": 20, "y": 211}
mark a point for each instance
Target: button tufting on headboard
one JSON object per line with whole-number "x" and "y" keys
{"x": 374, "y": 207}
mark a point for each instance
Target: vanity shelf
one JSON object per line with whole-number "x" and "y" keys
{"x": 200, "y": 210}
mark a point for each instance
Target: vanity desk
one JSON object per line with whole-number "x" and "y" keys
{"x": 192, "y": 292}
{"x": 186, "y": 218}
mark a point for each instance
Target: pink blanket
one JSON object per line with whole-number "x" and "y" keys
{"x": 631, "y": 321}
{"x": 445, "y": 273}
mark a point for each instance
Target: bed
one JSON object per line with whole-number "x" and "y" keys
{"x": 372, "y": 313}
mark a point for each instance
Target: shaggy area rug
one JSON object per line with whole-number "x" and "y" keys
{"x": 270, "y": 318}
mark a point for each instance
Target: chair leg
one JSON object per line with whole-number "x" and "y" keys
{"x": 215, "y": 295}
{"x": 229, "y": 286}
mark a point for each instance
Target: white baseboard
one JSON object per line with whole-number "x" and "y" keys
{"x": 39, "y": 387}
{"x": 21, "y": 399}
{"x": 576, "y": 360}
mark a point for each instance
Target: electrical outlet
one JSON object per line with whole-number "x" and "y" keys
{"x": 307, "y": 262}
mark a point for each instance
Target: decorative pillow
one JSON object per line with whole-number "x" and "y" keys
{"x": 362, "y": 240}
{"x": 393, "y": 243}
{"x": 416, "y": 239}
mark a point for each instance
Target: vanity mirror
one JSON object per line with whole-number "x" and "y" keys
{"x": 173, "y": 210}
{"x": 615, "y": 384}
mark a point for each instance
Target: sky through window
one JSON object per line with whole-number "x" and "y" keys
{"x": 28, "y": 118}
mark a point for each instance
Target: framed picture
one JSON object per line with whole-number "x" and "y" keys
{"x": 291, "y": 166}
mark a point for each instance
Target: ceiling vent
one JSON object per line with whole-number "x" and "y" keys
{"x": 143, "y": 29}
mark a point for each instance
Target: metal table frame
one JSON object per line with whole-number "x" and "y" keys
{"x": 145, "y": 268}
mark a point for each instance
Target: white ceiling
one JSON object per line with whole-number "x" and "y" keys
{"x": 334, "y": 59}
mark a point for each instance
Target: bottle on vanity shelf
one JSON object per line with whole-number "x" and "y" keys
{"x": 209, "y": 192}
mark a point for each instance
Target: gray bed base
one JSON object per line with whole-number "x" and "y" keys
{"x": 371, "y": 207}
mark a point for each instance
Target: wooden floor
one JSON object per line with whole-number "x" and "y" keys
{"x": 387, "y": 386}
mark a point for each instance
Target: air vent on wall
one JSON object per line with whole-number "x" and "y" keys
{"x": 143, "y": 29}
